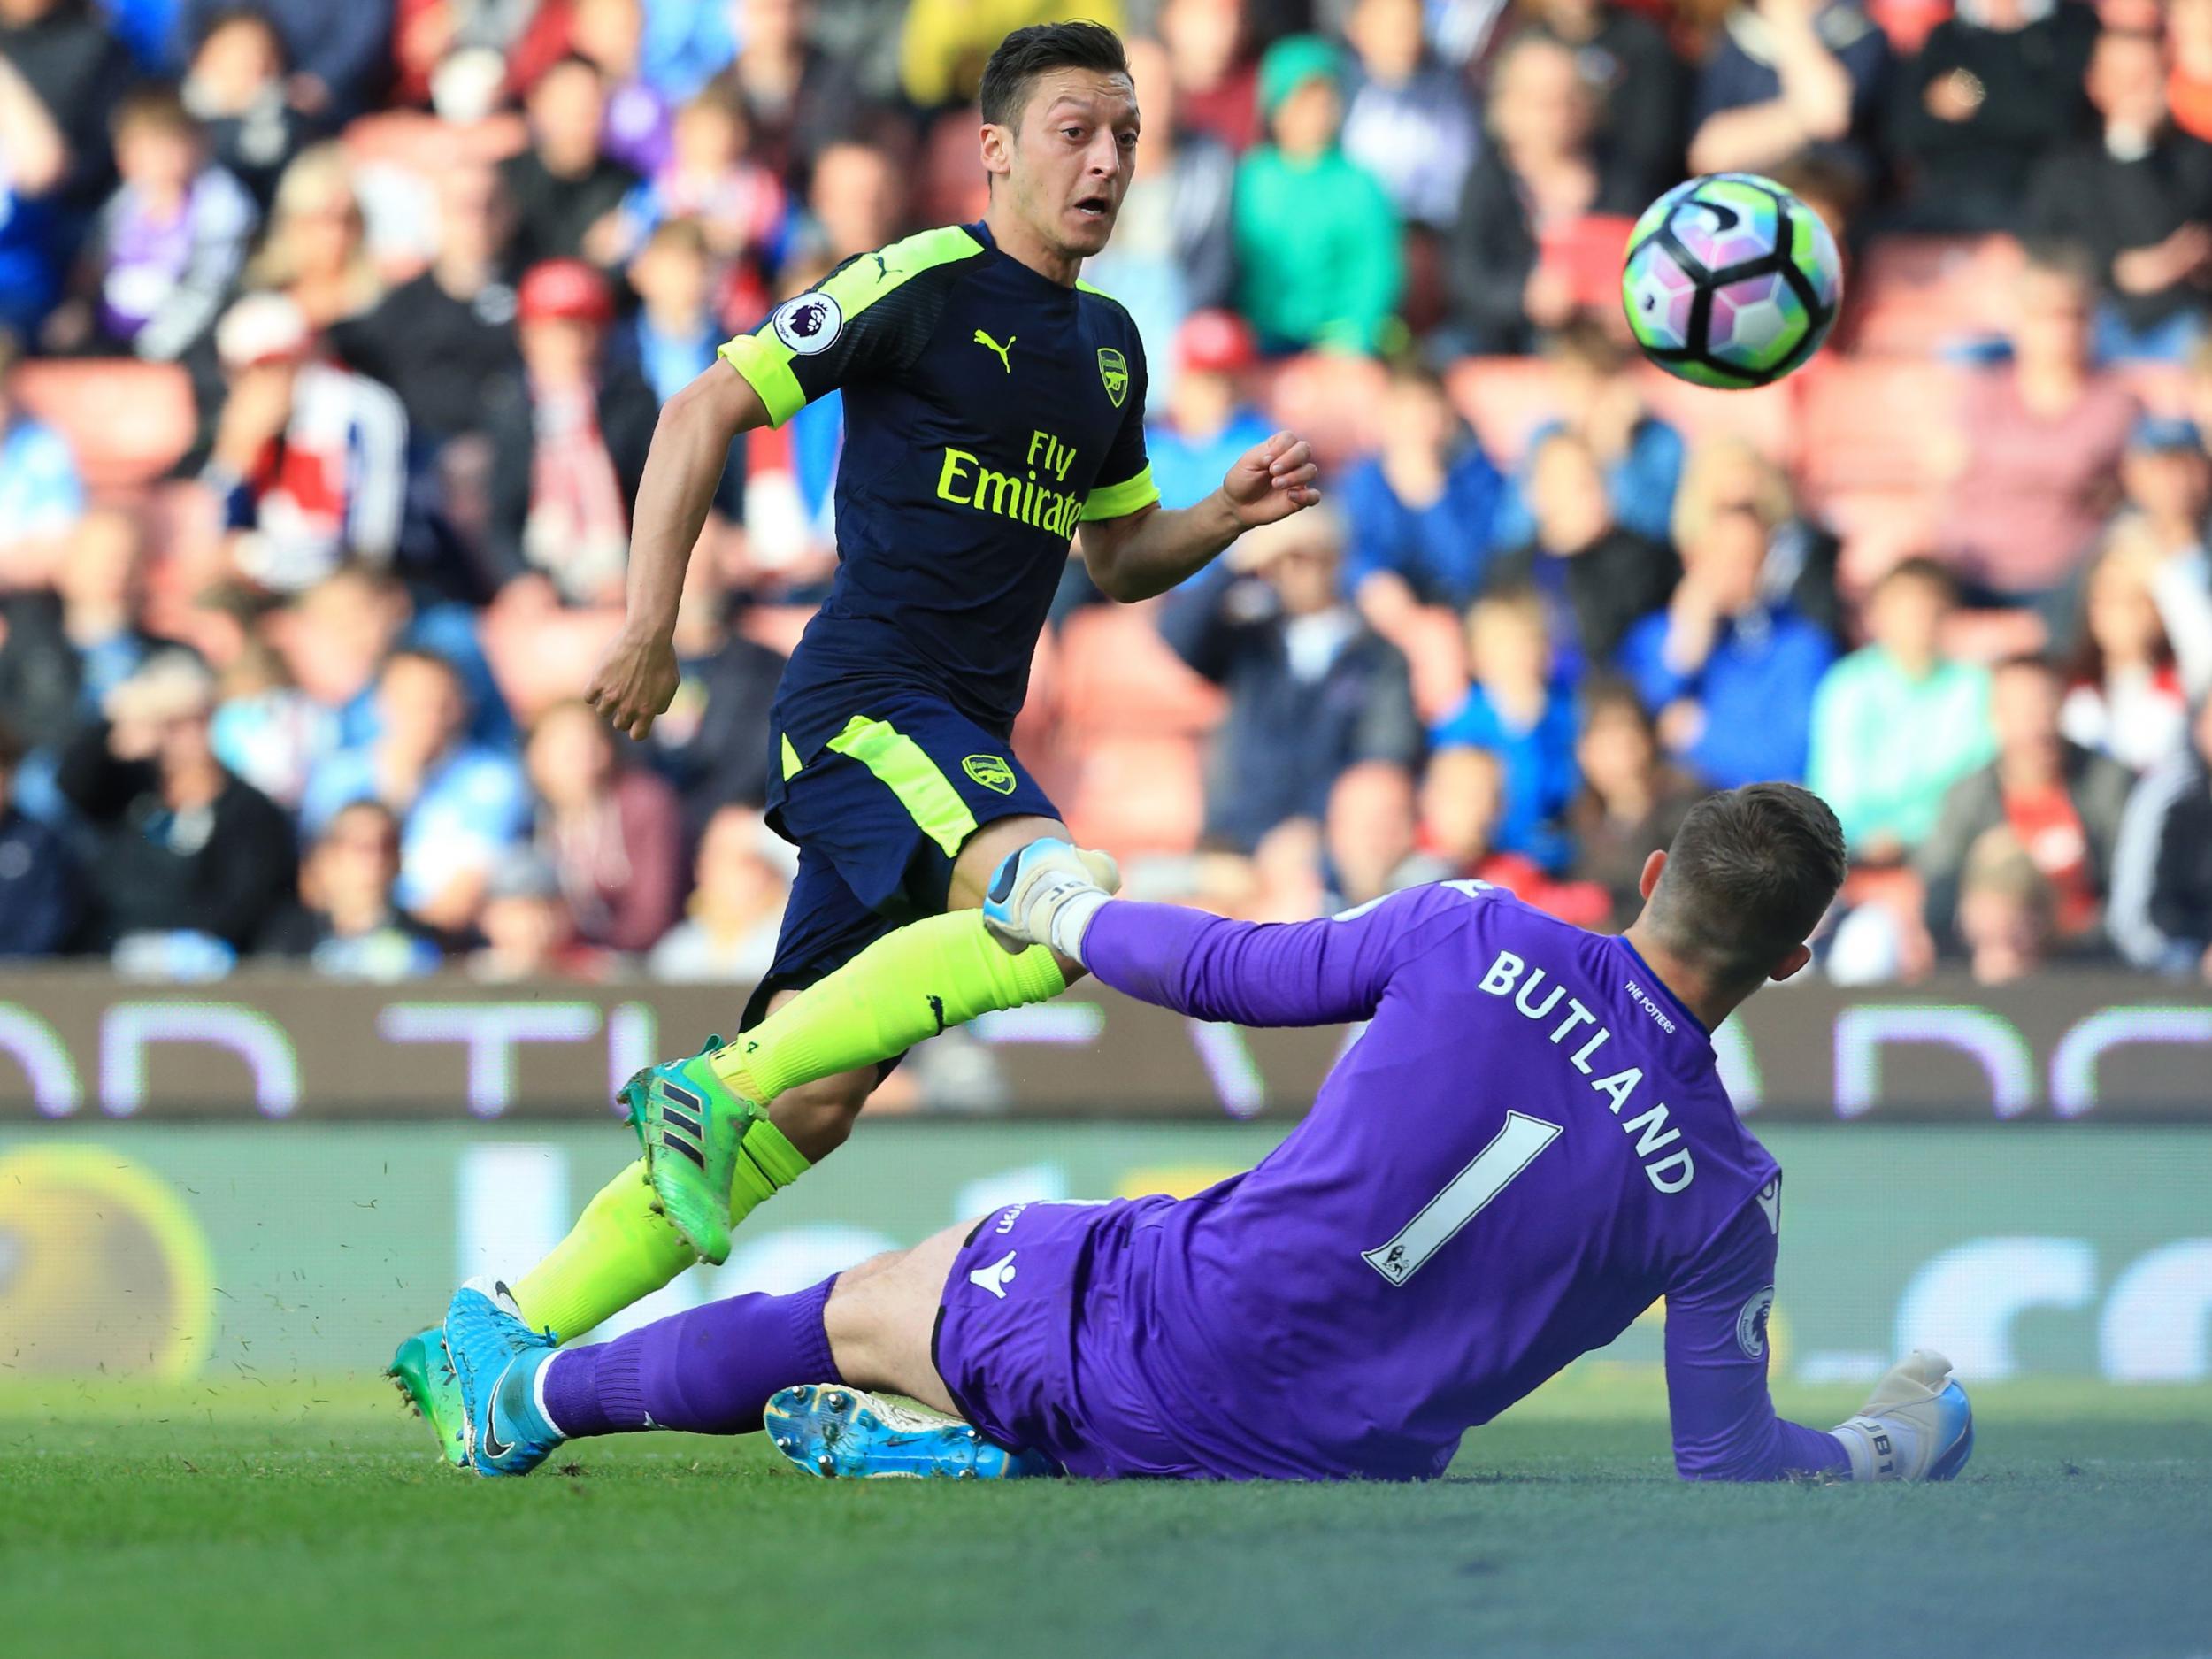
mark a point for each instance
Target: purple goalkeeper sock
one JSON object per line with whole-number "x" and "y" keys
{"x": 709, "y": 1371}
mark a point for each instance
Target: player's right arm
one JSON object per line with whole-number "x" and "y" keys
{"x": 691, "y": 444}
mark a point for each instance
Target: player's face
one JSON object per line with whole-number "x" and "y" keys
{"x": 1072, "y": 157}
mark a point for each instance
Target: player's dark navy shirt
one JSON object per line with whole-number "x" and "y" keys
{"x": 988, "y": 411}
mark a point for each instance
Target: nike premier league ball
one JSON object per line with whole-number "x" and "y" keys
{"x": 1731, "y": 281}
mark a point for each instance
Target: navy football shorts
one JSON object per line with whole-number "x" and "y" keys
{"x": 879, "y": 814}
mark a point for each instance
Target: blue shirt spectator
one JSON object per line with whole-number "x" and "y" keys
{"x": 1204, "y": 422}
{"x": 38, "y": 880}
{"x": 41, "y": 495}
{"x": 1747, "y": 116}
{"x": 460, "y": 805}
{"x": 1421, "y": 508}
{"x": 1730, "y": 677}
{"x": 1520, "y": 712}
{"x": 1639, "y": 483}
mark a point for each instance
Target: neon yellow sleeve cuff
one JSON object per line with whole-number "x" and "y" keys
{"x": 1116, "y": 501}
{"x": 768, "y": 371}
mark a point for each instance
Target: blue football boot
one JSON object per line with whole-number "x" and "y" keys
{"x": 837, "y": 1433}
{"x": 497, "y": 1359}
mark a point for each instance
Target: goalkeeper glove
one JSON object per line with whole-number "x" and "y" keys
{"x": 1046, "y": 895}
{"x": 1916, "y": 1425}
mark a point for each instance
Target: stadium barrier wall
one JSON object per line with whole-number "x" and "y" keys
{"x": 76, "y": 1045}
{"x": 249, "y": 1251}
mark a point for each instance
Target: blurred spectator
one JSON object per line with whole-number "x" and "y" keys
{"x": 737, "y": 202}
{"x": 1463, "y": 798}
{"x": 167, "y": 246}
{"x": 2062, "y": 803}
{"x": 1517, "y": 253}
{"x": 346, "y": 922}
{"x": 1311, "y": 689}
{"x": 441, "y": 338}
{"x": 460, "y": 806}
{"x": 528, "y": 932}
{"x": 1633, "y": 799}
{"x": 266, "y": 730}
{"x": 33, "y": 161}
{"x": 2036, "y": 456}
{"x": 1206, "y": 420}
{"x": 945, "y": 43}
{"x": 712, "y": 743}
{"x": 1316, "y": 240}
{"x": 2161, "y": 914}
{"x": 66, "y": 649}
{"x": 41, "y": 495}
{"x": 309, "y": 460}
{"x": 1594, "y": 578}
{"x": 1421, "y": 507}
{"x": 854, "y": 200}
{"x": 2189, "y": 82}
{"x": 1370, "y": 835}
{"x": 674, "y": 333}
{"x": 38, "y": 880}
{"x": 1410, "y": 120}
{"x": 611, "y": 832}
{"x": 1785, "y": 77}
{"x": 1172, "y": 256}
{"x": 1730, "y": 674}
{"x": 1217, "y": 83}
{"x": 1638, "y": 84}
{"x": 181, "y": 846}
{"x": 1725, "y": 474}
{"x": 799, "y": 97}
{"x": 2124, "y": 694}
{"x": 65, "y": 55}
{"x": 2138, "y": 197}
{"x": 568, "y": 444}
{"x": 2007, "y": 910}
{"x": 1886, "y": 792}
{"x": 337, "y": 633}
{"x": 235, "y": 88}
{"x": 610, "y": 34}
{"x": 1517, "y": 709}
{"x": 340, "y": 55}
{"x": 316, "y": 249}
{"x": 566, "y": 189}
{"x": 1594, "y": 388}
{"x": 1992, "y": 89}
{"x": 729, "y": 929}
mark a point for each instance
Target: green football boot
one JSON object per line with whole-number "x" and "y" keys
{"x": 422, "y": 1373}
{"x": 691, "y": 1126}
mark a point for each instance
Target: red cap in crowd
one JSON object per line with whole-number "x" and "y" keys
{"x": 565, "y": 291}
{"x": 1216, "y": 342}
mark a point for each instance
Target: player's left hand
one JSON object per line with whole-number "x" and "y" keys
{"x": 1271, "y": 480}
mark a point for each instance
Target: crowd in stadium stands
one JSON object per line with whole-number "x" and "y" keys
{"x": 333, "y": 337}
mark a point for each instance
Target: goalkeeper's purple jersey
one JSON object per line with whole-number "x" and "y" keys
{"x": 1528, "y": 1146}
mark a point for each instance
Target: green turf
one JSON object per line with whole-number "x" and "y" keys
{"x": 315, "y": 1521}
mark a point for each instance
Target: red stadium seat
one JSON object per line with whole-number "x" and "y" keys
{"x": 1332, "y": 400}
{"x": 129, "y": 422}
{"x": 1867, "y": 424}
{"x": 1505, "y": 400}
{"x": 1878, "y": 528}
{"x": 1911, "y": 296}
{"x": 1136, "y": 795}
{"x": 1765, "y": 418}
{"x": 1116, "y": 675}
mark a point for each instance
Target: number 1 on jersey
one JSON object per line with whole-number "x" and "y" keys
{"x": 1512, "y": 1149}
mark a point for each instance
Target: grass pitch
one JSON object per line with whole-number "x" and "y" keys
{"x": 295, "y": 1518}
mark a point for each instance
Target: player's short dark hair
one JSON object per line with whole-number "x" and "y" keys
{"x": 1750, "y": 874}
{"x": 1037, "y": 51}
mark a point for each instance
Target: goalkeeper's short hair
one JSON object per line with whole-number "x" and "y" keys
{"x": 1750, "y": 874}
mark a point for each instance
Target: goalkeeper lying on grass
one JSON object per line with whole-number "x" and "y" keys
{"x": 1527, "y": 1147}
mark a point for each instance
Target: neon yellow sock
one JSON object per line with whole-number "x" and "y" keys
{"x": 620, "y": 1250}
{"x": 766, "y": 1163}
{"x": 908, "y": 986}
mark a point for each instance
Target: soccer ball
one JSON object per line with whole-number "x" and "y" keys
{"x": 1731, "y": 281}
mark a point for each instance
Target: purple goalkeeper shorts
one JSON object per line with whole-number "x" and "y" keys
{"x": 1042, "y": 1310}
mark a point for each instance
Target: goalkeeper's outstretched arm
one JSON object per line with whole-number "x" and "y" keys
{"x": 1916, "y": 1425}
